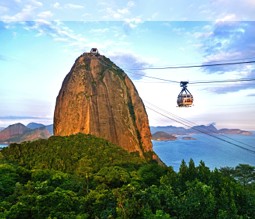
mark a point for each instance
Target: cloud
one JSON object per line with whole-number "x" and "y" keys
{"x": 9, "y": 120}
{"x": 229, "y": 41}
{"x": 55, "y": 29}
{"x": 113, "y": 11}
{"x": 133, "y": 22}
{"x": 74, "y": 6}
{"x": 45, "y": 14}
{"x": 127, "y": 62}
{"x": 22, "y": 12}
{"x": 234, "y": 87}
{"x": 17, "y": 10}
{"x": 56, "y": 5}
{"x": 99, "y": 30}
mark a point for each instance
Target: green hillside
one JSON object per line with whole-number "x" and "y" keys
{"x": 82, "y": 176}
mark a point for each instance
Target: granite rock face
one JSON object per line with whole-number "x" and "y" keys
{"x": 98, "y": 98}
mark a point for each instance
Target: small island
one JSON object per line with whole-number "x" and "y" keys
{"x": 188, "y": 138}
{"x": 163, "y": 136}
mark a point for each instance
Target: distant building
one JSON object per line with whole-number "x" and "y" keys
{"x": 94, "y": 51}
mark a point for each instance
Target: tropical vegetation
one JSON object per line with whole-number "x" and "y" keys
{"x": 82, "y": 176}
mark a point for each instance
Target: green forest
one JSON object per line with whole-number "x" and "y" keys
{"x": 81, "y": 176}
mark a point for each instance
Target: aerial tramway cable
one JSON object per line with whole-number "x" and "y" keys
{"x": 198, "y": 82}
{"x": 194, "y": 66}
{"x": 183, "y": 121}
{"x": 192, "y": 124}
{"x": 187, "y": 66}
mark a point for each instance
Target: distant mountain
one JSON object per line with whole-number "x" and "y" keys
{"x": 234, "y": 131}
{"x": 13, "y": 131}
{"x": 197, "y": 129}
{"x": 33, "y": 125}
{"x": 1, "y": 128}
{"x": 169, "y": 129}
{"x": 18, "y": 133}
{"x": 50, "y": 128}
{"x": 40, "y": 133}
{"x": 204, "y": 128}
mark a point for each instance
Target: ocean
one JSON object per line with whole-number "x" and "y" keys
{"x": 214, "y": 152}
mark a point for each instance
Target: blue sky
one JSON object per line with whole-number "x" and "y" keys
{"x": 40, "y": 41}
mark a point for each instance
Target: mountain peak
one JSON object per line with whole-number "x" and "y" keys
{"x": 98, "y": 98}
{"x": 33, "y": 125}
{"x": 13, "y": 130}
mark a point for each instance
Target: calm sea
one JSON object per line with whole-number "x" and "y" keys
{"x": 214, "y": 152}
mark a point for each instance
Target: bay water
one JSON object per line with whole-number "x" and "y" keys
{"x": 214, "y": 152}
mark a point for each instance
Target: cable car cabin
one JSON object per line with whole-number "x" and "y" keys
{"x": 185, "y": 98}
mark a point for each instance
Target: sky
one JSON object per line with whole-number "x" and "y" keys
{"x": 40, "y": 41}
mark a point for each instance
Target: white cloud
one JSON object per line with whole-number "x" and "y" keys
{"x": 223, "y": 55}
{"x": 26, "y": 13}
{"x": 130, "y": 4}
{"x": 133, "y": 22}
{"x": 116, "y": 12}
{"x": 57, "y": 30}
{"x": 36, "y": 3}
{"x": 228, "y": 17}
{"x": 56, "y": 5}
{"x": 99, "y": 31}
{"x": 45, "y": 14}
{"x": 74, "y": 6}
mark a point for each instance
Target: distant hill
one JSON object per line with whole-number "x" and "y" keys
{"x": 163, "y": 136}
{"x": 173, "y": 130}
{"x": 18, "y": 133}
{"x": 13, "y": 131}
{"x": 50, "y": 128}
{"x": 34, "y": 125}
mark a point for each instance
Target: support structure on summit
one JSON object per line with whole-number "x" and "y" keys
{"x": 94, "y": 51}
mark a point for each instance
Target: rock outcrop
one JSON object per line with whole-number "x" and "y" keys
{"x": 98, "y": 98}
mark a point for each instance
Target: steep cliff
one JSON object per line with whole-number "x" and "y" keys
{"x": 98, "y": 98}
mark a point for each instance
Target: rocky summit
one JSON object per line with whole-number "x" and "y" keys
{"x": 98, "y": 98}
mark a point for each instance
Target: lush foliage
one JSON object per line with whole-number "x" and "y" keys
{"x": 82, "y": 176}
